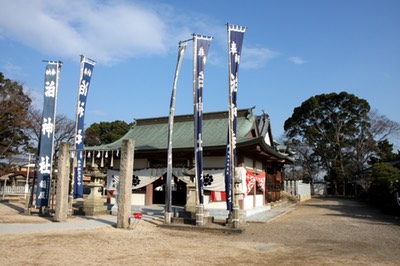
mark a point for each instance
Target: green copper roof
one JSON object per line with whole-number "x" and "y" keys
{"x": 152, "y": 134}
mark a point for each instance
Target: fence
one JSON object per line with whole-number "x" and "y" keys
{"x": 298, "y": 189}
{"x": 13, "y": 190}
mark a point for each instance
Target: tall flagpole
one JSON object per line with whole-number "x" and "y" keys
{"x": 86, "y": 72}
{"x": 235, "y": 41}
{"x": 232, "y": 146}
{"x": 195, "y": 117}
{"x": 201, "y": 46}
{"x": 198, "y": 208}
{"x": 75, "y": 153}
{"x": 55, "y": 120}
{"x": 168, "y": 196}
{"x": 46, "y": 140}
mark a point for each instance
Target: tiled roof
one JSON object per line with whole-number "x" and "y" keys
{"x": 152, "y": 134}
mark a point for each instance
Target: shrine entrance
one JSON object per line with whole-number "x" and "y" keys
{"x": 178, "y": 191}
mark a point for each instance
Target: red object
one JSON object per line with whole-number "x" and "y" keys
{"x": 252, "y": 179}
{"x": 218, "y": 196}
{"x": 137, "y": 215}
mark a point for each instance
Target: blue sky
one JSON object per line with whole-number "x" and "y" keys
{"x": 292, "y": 50}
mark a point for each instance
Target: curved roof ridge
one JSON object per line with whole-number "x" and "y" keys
{"x": 152, "y": 133}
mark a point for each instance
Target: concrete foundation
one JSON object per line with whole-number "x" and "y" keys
{"x": 95, "y": 204}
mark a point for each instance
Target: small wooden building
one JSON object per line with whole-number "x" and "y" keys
{"x": 260, "y": 163}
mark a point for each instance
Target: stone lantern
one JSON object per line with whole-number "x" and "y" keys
{"x": 94, "y": 203}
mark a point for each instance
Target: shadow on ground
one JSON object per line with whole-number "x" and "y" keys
{"x": 354, "y": 208}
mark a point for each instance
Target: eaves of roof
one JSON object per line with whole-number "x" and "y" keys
{"x": 152, "y": 134}
{"x": 264, "y": 147}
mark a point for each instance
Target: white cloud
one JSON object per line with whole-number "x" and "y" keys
{"x": 99, "y": 112}
{"x": 102, "y": 31}
{"x": 37, "y": 98}
{"x": 297, "y": 60}
{"x": 112, "y": 31}
{"x": 11, "y": 70}
{"x": 253, "y": 58}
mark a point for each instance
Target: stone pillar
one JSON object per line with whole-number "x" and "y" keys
{"x": 200, "y": 215}
{"x": 191, "y": 197}
{"x": 4, "y": 188}
{"x": 125, "y": 183}
{"x": 61, "y": 209}
{"x": 168, "y": 217}
{"x": 149, "y": 194}
{"x": 114, "y": 208}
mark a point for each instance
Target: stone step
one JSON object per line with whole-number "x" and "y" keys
{"x": 190, "y": 220}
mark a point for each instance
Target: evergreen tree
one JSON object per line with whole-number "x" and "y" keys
{"x": 331, "y": 124}
{"x": 105, "y": 132}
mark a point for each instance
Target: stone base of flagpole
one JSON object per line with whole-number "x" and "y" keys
{"x": 168, "y": 217}
{"x": 43, "y": 210}
{"x": 235, "y": 218}
{"x": 27, "y": 207}
{"x": 199, "y": 215}
{"x": 114, "y": 209}
{"x": 70, "y": 203}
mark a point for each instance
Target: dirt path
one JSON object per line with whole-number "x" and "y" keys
{"x": 322, "y": 231}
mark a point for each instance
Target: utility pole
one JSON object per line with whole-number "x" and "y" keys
{"x": 27, "y": 175}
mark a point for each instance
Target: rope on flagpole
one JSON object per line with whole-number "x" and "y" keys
{"x": 184, "y": 41}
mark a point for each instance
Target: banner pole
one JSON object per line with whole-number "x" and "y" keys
{"x": 201, "y": 47}
{"x": 194, "y": 112}
{"x": 59, "y": 64}
{"x": 232, "y": 150}
{"x": 168, "y": 201}
{"x": 235, "y": 41}
{"x": 75, "y": 153}
{"x": 46, "y": 140}
{"x": 76, "y": 116}
{"x": 86, "y": 73}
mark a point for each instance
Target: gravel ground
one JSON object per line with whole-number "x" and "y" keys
{"x": 321, "y": 231}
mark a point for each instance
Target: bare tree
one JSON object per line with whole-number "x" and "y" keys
{"x": 305, "y": 166}
{"x": 64, "y": 129}
{"x": 382, "y": 127}
{"x": 366, "y": 147}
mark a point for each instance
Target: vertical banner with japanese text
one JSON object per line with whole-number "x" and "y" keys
{"x": 228, "y": 177}
{"x": 235, "y": 41}
{"x": 86, "y": 72}
{"x": 201, "y": 45}
{"x": 45, "y": 158}
{"x": 168, "y": 195}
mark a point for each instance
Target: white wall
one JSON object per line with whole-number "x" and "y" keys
{"x": 304, "y": 191}
{"x": 319, "y": 189}
{"x": 138, "y": 199}
{"x": 248, "y": 202}
{"x": 298, "y": 189}
{"x": 213, "y": 205}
